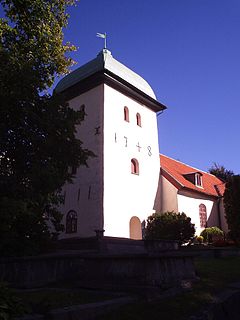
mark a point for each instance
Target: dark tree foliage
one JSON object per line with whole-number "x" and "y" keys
{"x": 37, "y": 130}
{"x": 169, "y": 226}
{"x": 231, "y": 200}
{"x": 221, "y": 172}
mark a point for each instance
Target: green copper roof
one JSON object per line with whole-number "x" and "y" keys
{"x": 105, "y": 61}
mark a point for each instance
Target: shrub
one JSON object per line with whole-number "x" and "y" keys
{"x": 200, "y": 239}
{"x": 212, "y": 232}
{"x": 169, "y": 226}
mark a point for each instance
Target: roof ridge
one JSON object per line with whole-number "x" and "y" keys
{"x": 105, "y": 61}
{"x": 161, "y": 154}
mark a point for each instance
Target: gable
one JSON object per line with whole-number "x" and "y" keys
{"x": 183, "y": 176}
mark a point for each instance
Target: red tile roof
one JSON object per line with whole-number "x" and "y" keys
{"x": 175, "y": 172}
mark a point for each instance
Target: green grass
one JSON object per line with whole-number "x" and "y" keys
{"x": 214, "y": 275}
{"x": 43, "y": 300}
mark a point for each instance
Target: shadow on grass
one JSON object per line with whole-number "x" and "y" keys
{"x": 215, "y": 275}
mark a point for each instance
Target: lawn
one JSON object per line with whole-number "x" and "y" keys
{"x": 214, "y": 275}
{"x": 43, "y": 300}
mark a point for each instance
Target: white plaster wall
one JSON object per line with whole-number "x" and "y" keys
{"x": 89, "y": 207}
{"x": 190, "y": 206}
{"x": 126, "y": 194}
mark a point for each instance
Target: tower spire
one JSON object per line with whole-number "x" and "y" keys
{"x": 103, "y": 36}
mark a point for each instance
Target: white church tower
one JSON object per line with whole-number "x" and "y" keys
{"x": 118, "y": 190}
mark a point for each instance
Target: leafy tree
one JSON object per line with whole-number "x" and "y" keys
{"x": 221, "y": 172}
{"x": 37, "y": 130}
{"x": 170, "y": 226}
{"x": 231, "y": 200}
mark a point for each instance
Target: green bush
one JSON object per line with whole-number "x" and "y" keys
{"x": 212, "y": 232}
{"x": 169, "y": 226}
{"x": 199, "y": 239}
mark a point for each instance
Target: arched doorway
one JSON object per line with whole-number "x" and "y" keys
{"x": 135, "y": 228}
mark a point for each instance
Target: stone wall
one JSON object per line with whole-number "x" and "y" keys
{"x": 100, "y": 270}
{"x": 113, "y": 245}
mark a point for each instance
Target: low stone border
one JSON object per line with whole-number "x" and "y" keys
{"x": 211, "y": 252}
{"x": 84, "y": 312}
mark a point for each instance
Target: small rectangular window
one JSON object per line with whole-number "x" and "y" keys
{"x": 82, "y": 112}
{"x": 139, "y": 122}
{"x": 198, "y": 180}
{"x": 126, "y": 114}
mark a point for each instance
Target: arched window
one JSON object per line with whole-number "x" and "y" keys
{"x": 138, "y": 116}
{"x": 126, "y": 114}
{"x": 71, "y": 222}
{"x": 203, "y": 215}
{"x": 134, "y": 166}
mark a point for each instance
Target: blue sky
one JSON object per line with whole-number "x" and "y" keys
{"x": 189, "y": 52}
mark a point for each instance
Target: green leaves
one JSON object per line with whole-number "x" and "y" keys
{"x": 210, "y": 232}
{"x": 37, "y": 131}
{"x": 33, "y": 38}
{"x": 170, "y": 226}
{"x": 231, "y": 200}
{"x": 221, "y": 172}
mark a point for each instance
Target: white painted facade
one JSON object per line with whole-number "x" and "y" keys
{"x": 188, "y": 202}
{"x": 106, "y": 195}
{"x": 85, "y": 194}
{"x": 190, "y": 206}
{"x": 126, "y": 194}
{"x": 200, "y": 199}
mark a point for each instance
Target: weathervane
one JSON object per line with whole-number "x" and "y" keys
{"x": 103, "y": 36}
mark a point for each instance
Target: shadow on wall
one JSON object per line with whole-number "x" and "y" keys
{"x": 216, "y": 218}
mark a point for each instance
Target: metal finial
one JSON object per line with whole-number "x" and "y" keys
{"x": 103, "y": 36}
